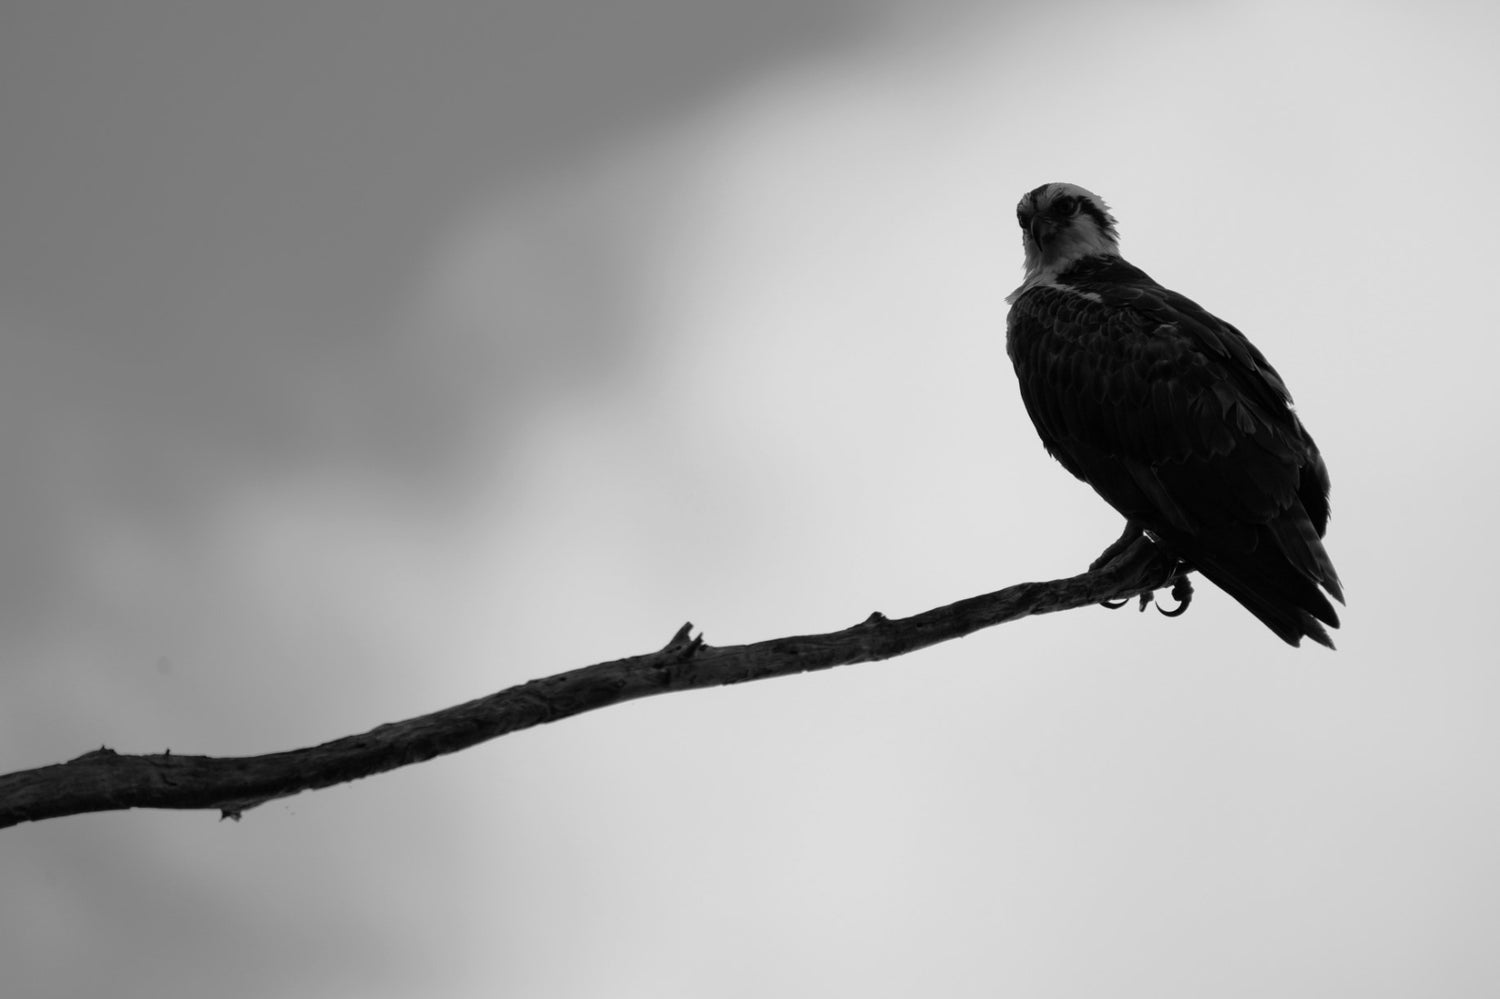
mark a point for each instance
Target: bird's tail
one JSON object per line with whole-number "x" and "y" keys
{"x": 1268, "y": 585}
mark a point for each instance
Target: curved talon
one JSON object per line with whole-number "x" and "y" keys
{"x": 1114, "y": 604}
{"x": 1182, "y": 592}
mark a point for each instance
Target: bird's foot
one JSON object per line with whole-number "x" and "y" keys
{"x": 1137, "y": 551}
{"x": 1117, "y": 550}
{"x": 1119, "y": 546}
{"x": 1182, "y": 592}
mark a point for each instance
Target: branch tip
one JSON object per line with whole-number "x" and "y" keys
{"x": 683, "y": 645}
{"x": 680, "y": 637}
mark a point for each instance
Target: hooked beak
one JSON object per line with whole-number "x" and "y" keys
{"x": 1042, "y": 228}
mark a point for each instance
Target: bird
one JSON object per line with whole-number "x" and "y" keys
{"x": 1172, "y": 415}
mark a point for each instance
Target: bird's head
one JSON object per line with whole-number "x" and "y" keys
{"x": 1061, "y": 223}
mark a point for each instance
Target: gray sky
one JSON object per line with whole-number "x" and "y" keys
{"x": 361, "y": 358}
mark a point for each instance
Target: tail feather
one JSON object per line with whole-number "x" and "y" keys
{"x": 1269, "y": 586}
{"x": 1298, "y": 540}
{"x": 1290, "y": 622}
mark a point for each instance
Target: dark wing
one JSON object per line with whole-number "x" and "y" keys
{"x": 1182, "y": 425}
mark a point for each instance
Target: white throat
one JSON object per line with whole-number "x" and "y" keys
{"x": 1082, "y": 239}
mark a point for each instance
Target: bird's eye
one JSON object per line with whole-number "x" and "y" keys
{"x": 1067, "y": 206}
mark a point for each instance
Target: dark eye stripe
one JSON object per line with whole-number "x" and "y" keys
{"x": 1097, "y": 214}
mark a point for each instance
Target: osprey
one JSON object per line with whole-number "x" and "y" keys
{"x": 1171, "y": 415}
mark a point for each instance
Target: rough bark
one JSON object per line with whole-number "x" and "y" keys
{"x": 104, "y": 780}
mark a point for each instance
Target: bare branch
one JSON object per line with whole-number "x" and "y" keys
{"x": 104, "y": 780}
